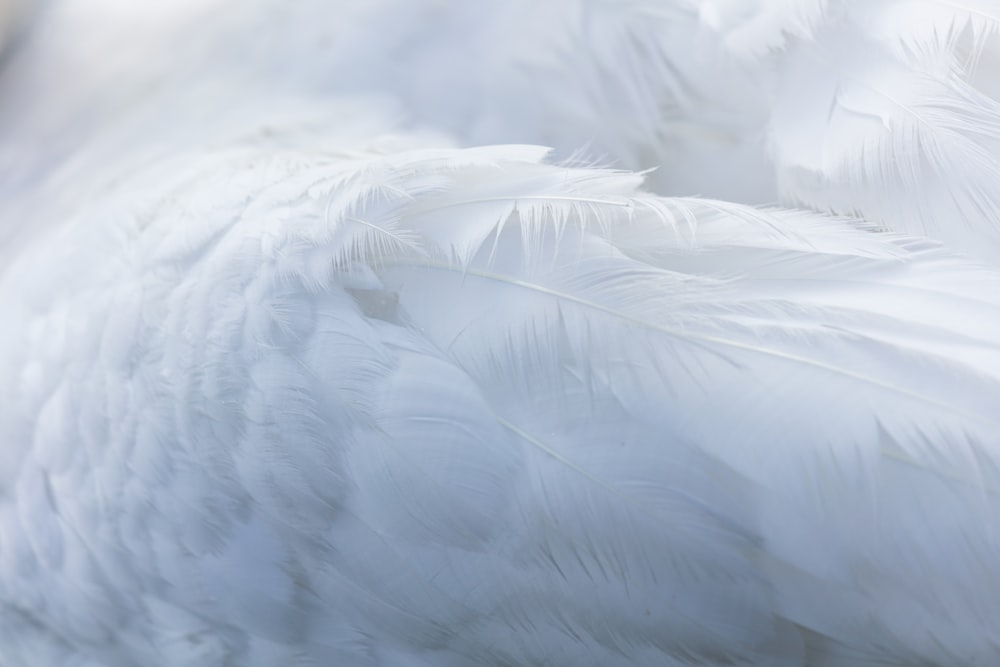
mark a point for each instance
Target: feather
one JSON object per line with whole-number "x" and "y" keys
{"x": 879, "y": 110}
{"x": 596, "y": 394}
{"x": 287, "y": 377}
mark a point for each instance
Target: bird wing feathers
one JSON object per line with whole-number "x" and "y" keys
{"x": 407, "y": 404}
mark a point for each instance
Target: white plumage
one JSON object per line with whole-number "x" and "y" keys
{"x": 294, "y": 373}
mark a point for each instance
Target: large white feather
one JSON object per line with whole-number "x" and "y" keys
{"x": 462, "y": 407}
{"x": 276, "y": 388}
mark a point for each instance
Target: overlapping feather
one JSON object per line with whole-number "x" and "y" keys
{"x": 470, "y": 408}
{"x": 889, "y": 112}
{"x": 884, "y": 109}
{"x": 298, "y": 394}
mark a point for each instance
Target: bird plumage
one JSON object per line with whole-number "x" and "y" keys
{"x": 886, "y": 109}
{"x": 287, "y": 376}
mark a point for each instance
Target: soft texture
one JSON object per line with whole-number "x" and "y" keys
{"x": 885, "y": 108}
{"x": 453, "y": 404}
{"x": 288, "y": 377}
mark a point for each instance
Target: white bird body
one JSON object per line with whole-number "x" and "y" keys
{"x": 302, "y": 383}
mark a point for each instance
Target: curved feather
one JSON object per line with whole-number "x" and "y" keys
{"x": 277, "y": 389}
{"x": 465, "y": 407}
{"x": 886, "y": 109}
{"x": 883, "y": 109}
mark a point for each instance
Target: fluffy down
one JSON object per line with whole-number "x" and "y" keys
{"x": 447, "y": 407}
{"x": 289, "y": 378}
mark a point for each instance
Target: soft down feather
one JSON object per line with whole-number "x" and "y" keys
{"x": 287, "y": 378}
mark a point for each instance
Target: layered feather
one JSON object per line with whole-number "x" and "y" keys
{"x": 277, "y": 389}
{"x": 465, "y": 407}
{"x": 890, "y": 111}
{"x": 884, "y": 109}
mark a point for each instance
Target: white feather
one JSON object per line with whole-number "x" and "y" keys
{"x": 880, "y": 115}
{"x": 287, "y": 378}
{"x": 552, "y": 441}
